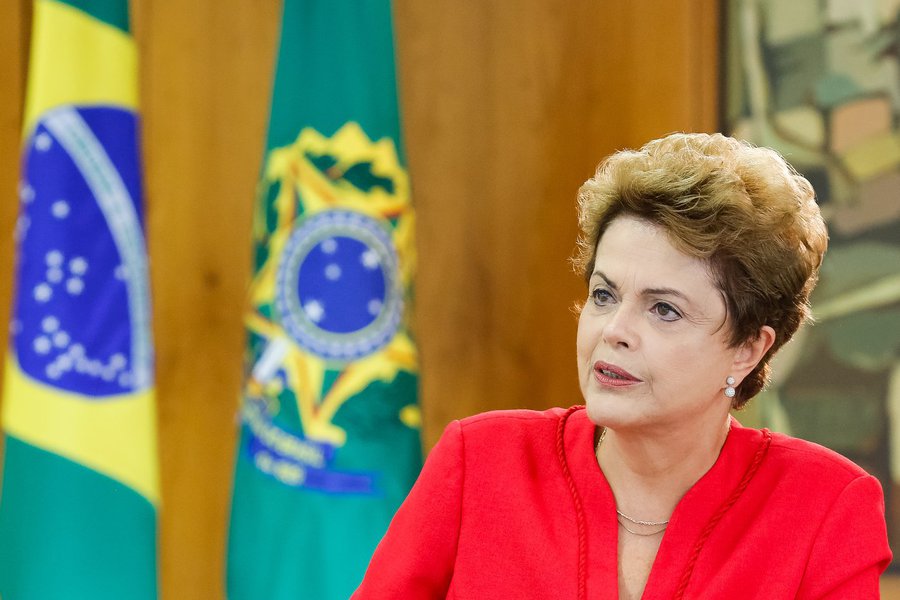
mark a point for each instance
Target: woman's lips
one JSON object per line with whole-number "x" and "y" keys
{"x": 613, "y": 376}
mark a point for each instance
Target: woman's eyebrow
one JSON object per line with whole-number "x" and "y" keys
{"x": 656, "y": 291}
{"x": 664, "y": 291}
{"x": 602, "y": 275}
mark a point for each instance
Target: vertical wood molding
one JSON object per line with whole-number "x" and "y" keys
{"x": 206, "y": 69}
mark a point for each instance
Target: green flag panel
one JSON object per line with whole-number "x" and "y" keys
{"x": 62, "y": 534}
{"x": 329, "y": 443}
{"x": 111, "y": 12}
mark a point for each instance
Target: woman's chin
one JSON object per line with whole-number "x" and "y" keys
{"x": 611, "y": 412}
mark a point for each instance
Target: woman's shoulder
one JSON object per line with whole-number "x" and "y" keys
{"x": 510, "y": 430}
{"x": 796, "y": 452}
{"x": 799, "y": 461}
{"x": 514, "y": 418}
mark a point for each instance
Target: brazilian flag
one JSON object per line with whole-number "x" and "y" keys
{"x": 329, "y": 442}
{"x": 80, "y": 485}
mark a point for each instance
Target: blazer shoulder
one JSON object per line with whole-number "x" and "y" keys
{"x": 501, "y": 427}
{"x": 809, "y": 460}
{"x": 514, "y": 418}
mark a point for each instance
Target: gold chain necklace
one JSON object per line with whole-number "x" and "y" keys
{"x": 662, "y": 524}
{"x": 633, "y": 532}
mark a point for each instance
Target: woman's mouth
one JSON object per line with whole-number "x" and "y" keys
{"x": 610, "y": 375}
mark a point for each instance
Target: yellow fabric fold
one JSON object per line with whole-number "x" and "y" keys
{"x": 76, "y": 59}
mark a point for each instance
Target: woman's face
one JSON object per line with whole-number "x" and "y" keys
{"x": 652, "y": 336}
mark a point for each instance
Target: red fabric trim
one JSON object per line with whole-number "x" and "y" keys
{"x": 748, "y": 475}
{"x": 576, "y": 500}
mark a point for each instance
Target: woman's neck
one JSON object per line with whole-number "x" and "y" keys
{"x": 649, "y": 473}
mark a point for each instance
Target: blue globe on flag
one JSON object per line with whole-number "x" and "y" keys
{"x": 337, "y": 291}
{"x": 81, "y": 290}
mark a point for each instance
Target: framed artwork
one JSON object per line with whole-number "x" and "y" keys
{"x": 819, "y": 81}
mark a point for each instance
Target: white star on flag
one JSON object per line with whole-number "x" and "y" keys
{"x": 314, "y": 310}
{"x": 43, "y": 142}
{"x": 370, "y": 260}
{"x": 60, "y": 209}
{"x": 329, "y": 246}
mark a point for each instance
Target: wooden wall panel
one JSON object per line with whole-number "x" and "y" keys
{"x": 508, "y": 106}
{"x": 206, "y": 70}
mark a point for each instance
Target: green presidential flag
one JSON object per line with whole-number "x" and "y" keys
{"x": 329, "y": 443}
{"x": 80, "y": 485}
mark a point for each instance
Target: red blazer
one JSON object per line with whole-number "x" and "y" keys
{"x": 513, "y": 504}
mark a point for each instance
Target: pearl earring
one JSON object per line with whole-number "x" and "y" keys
{"x": 729, "y": 391}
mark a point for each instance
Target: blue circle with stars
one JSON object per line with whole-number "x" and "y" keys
{"x": 337, "y": 288}
{"x": 71, "y": 327}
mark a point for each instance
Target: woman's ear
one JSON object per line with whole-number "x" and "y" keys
{"x": 751, "y": 352}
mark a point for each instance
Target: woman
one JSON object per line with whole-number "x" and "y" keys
{"x": 700, "y": 253}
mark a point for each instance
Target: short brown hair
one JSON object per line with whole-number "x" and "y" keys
{"x": 742, "y": 209}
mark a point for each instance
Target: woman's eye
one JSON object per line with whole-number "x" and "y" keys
{"x": 601, "y": 297}
{"x": 666, "y": 312}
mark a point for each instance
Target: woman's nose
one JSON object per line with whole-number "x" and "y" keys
{"x": 619, "y": 328}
